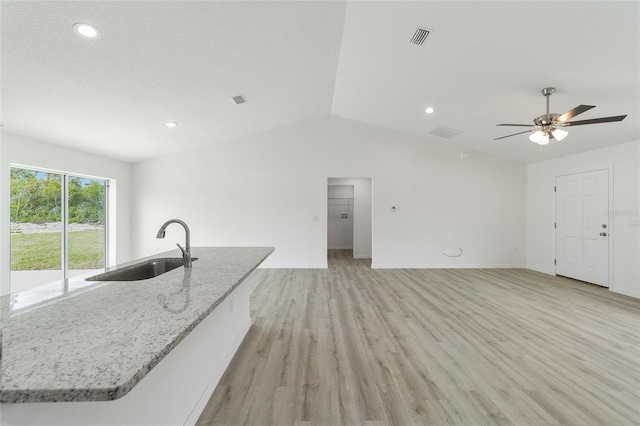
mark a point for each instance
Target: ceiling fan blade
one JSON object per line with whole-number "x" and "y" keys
{"x": 519, "y": 133}
{"x": 595, "y": 120}
{"x": 516, "y": 125}
{"x": 573, "y": 112}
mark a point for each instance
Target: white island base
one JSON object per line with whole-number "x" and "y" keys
{"x": 173, "y": 393}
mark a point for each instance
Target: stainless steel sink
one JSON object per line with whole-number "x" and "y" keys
{"x": 141, "y": 271}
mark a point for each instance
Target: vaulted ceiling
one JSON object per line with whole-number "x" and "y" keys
{"x": 484, "y": 63}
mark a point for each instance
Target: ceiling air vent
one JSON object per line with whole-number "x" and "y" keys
{"x": 420, "y": 36}
{"x": 240, "y": 99}
{"x": 445, "y": 132}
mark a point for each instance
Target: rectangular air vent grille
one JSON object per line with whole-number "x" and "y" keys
{"x": 445, "y": 132}
{"x": 240, "y": 99}
{"x": 420, "y": 36}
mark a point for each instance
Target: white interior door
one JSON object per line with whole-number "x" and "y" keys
{"x": 582, "y": 226}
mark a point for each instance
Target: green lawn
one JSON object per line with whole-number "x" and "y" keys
{"x": 32, "y": 252}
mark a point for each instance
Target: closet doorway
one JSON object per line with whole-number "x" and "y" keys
{"x": 340, "y": 217}
{"x": 349, "y": 216}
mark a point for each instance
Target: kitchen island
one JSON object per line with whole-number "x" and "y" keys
{"x": 130, "y": 352}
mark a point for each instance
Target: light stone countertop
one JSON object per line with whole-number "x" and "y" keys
{"x": 97, "y": 344}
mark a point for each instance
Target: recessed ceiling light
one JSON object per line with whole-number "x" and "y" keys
{"x": 171, "y": 124}
{"x": 429, "y": 110}
{"x": 85, "y": 30}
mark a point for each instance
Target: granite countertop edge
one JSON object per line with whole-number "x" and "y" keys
{"x": 121, "y": 389}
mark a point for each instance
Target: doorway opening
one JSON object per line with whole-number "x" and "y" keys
{"x": 349, "y": 219}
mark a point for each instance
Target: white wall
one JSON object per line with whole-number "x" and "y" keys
{"x": 362, "y": 211}
{"x": 29, "y": 152}
{"x": 623, "y": 161}
{"x": 270, "y": 189}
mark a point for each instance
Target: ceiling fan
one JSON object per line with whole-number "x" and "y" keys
{"x": 548, "y": 126}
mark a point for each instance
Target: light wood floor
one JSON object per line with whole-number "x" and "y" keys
{"x": 356, "y": 346}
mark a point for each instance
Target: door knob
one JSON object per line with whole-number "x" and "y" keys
{"x": 603, "y": 234}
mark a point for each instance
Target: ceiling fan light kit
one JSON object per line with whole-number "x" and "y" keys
{"x": 548, "y": 126}
{"x": 559, "y": 134}
{"x": 539, "y": 137}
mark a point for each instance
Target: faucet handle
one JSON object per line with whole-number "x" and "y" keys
{"x": 185, "y": 255}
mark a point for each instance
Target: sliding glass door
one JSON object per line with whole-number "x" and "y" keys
{"x": 36, "y": 228}
{"x": 58, "y": 230}
{"x": 86, "y": 227}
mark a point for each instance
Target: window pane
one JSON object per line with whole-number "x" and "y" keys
{"x": 36, "y": 228}
{"x": 86, "y": 225}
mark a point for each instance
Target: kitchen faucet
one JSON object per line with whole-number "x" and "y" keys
{"x": 186, "y": 252}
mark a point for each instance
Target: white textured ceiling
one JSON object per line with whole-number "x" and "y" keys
{"x": 158, "y": 61}
{"x": 485, "y": 63}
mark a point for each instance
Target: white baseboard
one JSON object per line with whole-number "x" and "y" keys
{"x": 624, "y": 292}
{"x": 445, "y": 266}
{"x": 340, "y": 248}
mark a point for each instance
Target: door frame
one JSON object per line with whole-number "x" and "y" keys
{"x": 369, "y": 206}
{"x": 64, "y": 243}
{"x": 610, "y": 176}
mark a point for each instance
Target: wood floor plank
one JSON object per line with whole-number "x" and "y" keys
{"x": 354, "y": 346}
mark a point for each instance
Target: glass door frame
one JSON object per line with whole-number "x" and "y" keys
{"x": 65, "y": 222}
{"x": 65, "y": 177}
